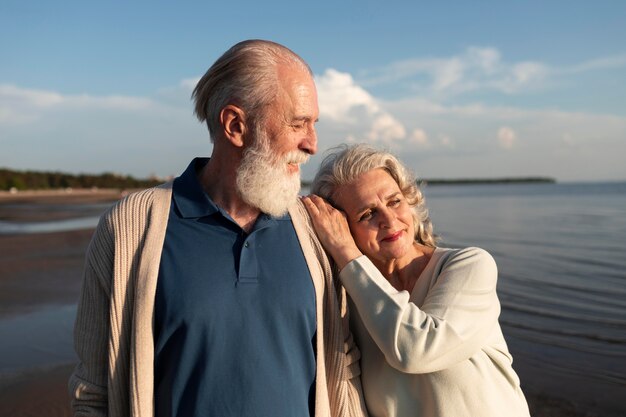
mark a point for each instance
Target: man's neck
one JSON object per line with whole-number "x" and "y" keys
{"x": 218, "y": 180}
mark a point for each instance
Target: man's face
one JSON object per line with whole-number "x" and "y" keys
{"x": 290, "y": 119}
{"x": 268, "y": 177}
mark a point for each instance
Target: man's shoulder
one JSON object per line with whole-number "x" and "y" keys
{"x": 140, "y": 202}
{"x": 298, "y": 213}
{"x": 301, "y": 220}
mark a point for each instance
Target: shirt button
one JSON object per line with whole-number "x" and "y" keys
{"x": 246, "y": 244}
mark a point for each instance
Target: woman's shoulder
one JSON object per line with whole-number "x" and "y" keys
{"x": 472, "y": 260}
{"x": 468, "y": 254}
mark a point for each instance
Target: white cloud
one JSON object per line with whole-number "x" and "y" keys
{"x": 487, "y": 59}
{"x": 519, "y": 76}
{"x": 22, "y": 105}
{"x": 447, "y": 74}
{"x": 47, "y": 130}
{"x": 457, "y": 139}
{"x": 9, "y": 116}
{"x": 419, "y": 137}
{"x": 111, "y": 102}
{"x": 506, "y": 137}
{"x": 339, "y": 95}
{"x": 16, "y": 98}
{"x": 10, "y": 94}
{"x": 343, "y": 102}
{"x": 189, "y": 83}
{"x": 477, "y": 68}
{"x": 386, "y": 129}
{"x": 446, "y": 141}
{"x": 609, "y": 62}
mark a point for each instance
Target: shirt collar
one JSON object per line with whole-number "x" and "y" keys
{"x": 189, "y": 197}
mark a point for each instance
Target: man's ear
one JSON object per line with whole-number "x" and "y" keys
{"x": 233, "y": 120}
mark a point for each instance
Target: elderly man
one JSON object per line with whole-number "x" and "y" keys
{"x": 211, "y": 296}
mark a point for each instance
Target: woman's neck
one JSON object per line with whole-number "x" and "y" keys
{"x": 403, "y": 273}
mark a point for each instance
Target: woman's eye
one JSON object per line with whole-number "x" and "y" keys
{"x": 365, "y": 216}
{"x": 395, "y": 203}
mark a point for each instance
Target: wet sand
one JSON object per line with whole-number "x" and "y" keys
{"x": 38, "y": 270}
{"x": 36, "y": 393}
{"x": 45, "y": 268}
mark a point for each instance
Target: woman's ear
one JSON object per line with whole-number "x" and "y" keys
{"x": 233, "y": 120}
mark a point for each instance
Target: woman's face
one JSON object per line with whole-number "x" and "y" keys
{"x": 379, "y": 216}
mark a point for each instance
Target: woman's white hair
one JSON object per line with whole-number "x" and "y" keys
{"x": 345, "y": 163}
{"x": 246, "y": 76}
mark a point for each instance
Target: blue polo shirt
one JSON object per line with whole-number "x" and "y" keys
{"x": 234, "y": 314}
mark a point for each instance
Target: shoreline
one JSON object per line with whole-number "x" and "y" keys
{"x": 71, "y": 194}
{"x": 51, "y": 205}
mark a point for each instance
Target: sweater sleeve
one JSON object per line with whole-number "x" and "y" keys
{"x": 456, "y": 317}
{"x": 88, "y": 384}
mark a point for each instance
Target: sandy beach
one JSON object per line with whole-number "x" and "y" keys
{"x": 43, "y": 269}
{"x": 36, "y": 271}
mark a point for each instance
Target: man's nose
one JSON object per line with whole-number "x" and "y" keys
{"x": 309, "y": 144}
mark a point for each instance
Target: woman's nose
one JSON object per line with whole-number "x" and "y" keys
{"x": 387, "y": 218}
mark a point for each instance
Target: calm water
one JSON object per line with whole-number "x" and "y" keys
{"x": 37, "y": 340}
{"x": 561, "y": 254}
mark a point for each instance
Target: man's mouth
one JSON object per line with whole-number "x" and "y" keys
{"x": 293, "y": 167}
{"x": 295, "y": 159}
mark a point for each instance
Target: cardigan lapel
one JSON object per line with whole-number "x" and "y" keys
{"x": 149, "y": 254}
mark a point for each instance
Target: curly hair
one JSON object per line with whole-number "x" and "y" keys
{"x": 345, "y": 163}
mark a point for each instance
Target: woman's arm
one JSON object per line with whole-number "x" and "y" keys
{"x": 457, "y": 316}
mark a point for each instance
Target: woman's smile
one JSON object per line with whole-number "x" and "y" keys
{"x": 393, "y": 237}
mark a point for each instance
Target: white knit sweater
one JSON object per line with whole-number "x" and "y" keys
{"x": 439, "y": 351}
{"x": 113, "y": 334}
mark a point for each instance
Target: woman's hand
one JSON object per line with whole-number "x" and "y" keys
{"x": 332, "y": 229}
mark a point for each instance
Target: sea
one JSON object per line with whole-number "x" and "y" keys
{"x": 561, "y": 255}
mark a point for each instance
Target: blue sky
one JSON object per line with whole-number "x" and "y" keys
{"x": 460, "y": 89}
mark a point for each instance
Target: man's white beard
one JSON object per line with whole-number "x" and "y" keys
{"x": 263, "y": 180}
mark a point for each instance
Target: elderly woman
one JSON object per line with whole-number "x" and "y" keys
{"x": 425, "y": 318}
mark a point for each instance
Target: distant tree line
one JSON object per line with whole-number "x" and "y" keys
{"x": 461, "y": 181}
{"x": 33, "y": 180}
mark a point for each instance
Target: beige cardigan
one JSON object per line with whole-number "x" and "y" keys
{"x": 113, "y": 333}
